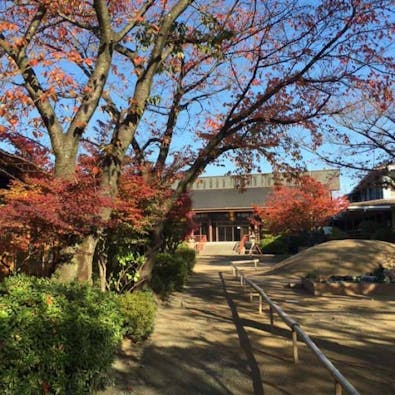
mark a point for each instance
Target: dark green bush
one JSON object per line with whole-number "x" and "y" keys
{"x": 384, "y": 234}
{"x": 272, "y": 244}
{"x": 188, "y": 255}
{"x": 315, "y": 237}
{"x": 138, "y": 309}
{"x": 337, "y": 234}
{"x": 368, "y": 228}
{"x": 169, "y": 274}
{"x": 290, "y": 244}
{"x": 56, "y": 338}
{"x": 297, "y": 241}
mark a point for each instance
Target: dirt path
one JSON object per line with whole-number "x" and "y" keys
{"x": 195, "y": 347}
{"x": 210, "y": 339}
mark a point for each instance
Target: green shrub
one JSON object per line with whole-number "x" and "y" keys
{"x": 56, "y": 338}
{"x": 272, "y": 244}
{"x": 368, "y": 228}
{"x": 169, "y": 274}
{"x": 124, "y": 271}
{"x": 188, "y": 255}
{"x": 384, "y": 234}
{"x": 296, "y": 241}
{"x": 337, "y": 234}
{"x": 138, "y": 309}
{"x": 314, "y": 237}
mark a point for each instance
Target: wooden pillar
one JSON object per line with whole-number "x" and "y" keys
{"x": 271, "y": 318}
{"x": 338, "y": 388}
{"x": 295, "y": 346}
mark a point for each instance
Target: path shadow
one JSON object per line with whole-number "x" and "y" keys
{"x": 244, "y": 343}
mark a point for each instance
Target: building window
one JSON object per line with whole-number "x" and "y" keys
{"x": 220, "y": 216}
{"x": 243, "y": 215}
{"x": 378, "y": 193}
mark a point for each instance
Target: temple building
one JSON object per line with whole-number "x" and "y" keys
{"x": 223, "y": 205}
{"x": 14, "y": 167}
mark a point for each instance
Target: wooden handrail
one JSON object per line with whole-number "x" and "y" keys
{"x": 340, "y": 381}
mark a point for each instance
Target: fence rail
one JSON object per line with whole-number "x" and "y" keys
{"x": 340, "y": 381}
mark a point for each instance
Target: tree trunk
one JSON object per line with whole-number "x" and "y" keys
{"x": 65, "y": 164}
{"x": 66, "y": 161}
{"x": 84, "y": 258}
{"x": 79, "y": 265}
{"x": 85, "y": 251}
{"x": 102, "y": 272}
{"x": 156, "y": 241}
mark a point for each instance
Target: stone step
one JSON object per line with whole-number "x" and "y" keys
{"x": 220, "y": 248}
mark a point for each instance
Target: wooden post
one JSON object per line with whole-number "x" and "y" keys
{"x": 260, "y": 304}
{"x": 251, "y": 296}
{"x": 295, "y": 346}
{"x": 234, "y": 272}
{"x": 338, "y": 388}
{"x": 241, "y": 280}
{"x": 271, "y": 318}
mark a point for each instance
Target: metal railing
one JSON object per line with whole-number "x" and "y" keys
{"x": 340, "y": 381}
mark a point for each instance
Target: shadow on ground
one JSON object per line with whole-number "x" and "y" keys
{"x": 210, "y": 339}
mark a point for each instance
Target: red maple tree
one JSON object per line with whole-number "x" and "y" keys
{"x": 303, "y": 208}
{"x": 181, "y": 84}
{"x": 45, "y": 213}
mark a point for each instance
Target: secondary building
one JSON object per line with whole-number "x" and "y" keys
{"x": 372, "y": 201}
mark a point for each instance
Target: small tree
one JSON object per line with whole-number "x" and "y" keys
{"x": 303, "y": 208}
{"x": 42, "y": 213}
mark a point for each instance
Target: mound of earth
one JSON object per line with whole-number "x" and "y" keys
{"x": 338, "y": 257}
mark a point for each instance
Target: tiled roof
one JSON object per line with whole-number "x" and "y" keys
{"x": 329, "y": 177}
{"x": 220, "y": 199}
{"x": 14, "y": 166}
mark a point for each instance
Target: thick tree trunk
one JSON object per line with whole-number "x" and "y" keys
{"x": 84, "y": 258}
{"x": 155, "y": 245}
{"x": 65, "y": 163}
{"x": 79, "y": 266}
{"x": 102, "y": 263}
{"x": 85, "y": 251}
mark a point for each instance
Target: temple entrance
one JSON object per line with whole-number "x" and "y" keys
{"x": 230, "y": 232}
